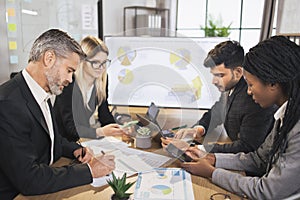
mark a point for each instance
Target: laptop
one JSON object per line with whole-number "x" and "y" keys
{"x": 150, "y": 119}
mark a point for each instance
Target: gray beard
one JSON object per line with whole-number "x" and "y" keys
{"x": 52, "y": 82}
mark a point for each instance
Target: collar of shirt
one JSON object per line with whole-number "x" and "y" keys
{"x": 37, "y": 91}
{"x": 230, "y": 92}
{"x": 279, "y": 114}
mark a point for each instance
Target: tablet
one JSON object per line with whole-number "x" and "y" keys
{"x": 178, "y": 153}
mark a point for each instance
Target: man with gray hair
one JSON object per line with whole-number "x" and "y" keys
{"x": 29, "y": 138}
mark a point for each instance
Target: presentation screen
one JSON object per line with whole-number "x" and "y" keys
{"x": 168, "y": 71}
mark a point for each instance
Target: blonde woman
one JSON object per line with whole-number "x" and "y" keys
{"x": 82, "y": 108}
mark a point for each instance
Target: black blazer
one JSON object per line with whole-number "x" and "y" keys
{"x": 246, "y": 123}
{"x": 25, "y": 147}
{"x": 73, "y": 117}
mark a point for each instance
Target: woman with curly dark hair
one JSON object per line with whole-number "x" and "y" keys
{"x": 272, "y": 72}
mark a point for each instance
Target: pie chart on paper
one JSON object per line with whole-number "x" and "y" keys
{"x": 161, "y": 189}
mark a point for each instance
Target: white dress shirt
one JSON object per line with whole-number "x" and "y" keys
{"x": 41, "y": 96}
{"x": 279, "y": 114}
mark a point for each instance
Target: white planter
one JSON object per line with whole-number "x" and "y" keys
{"x": 143, "y": 142}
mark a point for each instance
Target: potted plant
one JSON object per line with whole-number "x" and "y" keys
{"x": 143, "y": 137}
{"x": 120, "y": 187}
{"x": 215, "y": 28}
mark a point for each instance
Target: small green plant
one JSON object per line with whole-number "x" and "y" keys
{"x": 120, "y": 187}
{"x": 215, "y": 28}
{"x": 143, "y": 131}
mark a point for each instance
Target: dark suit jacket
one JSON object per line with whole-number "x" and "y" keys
{"x": 73, "y": 117}
{"x": 246, "y": 123}
{"x": 25, "y": 147}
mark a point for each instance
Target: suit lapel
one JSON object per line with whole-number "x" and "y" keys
{"x": 92, "y": 101}
{"x": 31, "y": 102}
{"x": 239, "y": 86}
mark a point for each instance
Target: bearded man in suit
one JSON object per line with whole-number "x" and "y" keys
{"x": 29, "y": 138}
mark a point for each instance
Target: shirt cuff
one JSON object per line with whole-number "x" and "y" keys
{"x": 201, "y": 147}
{"x": 90, "y": 169}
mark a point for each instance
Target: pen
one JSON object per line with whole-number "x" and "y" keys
{"x": 103, "y": 153}
{"x": 179, "y": 127}
{"x": 82, "y": 152}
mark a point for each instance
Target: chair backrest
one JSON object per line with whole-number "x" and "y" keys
{"x": 13, "y": 74}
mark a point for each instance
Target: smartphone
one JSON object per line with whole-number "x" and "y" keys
{"x": 129, "y": 124}
{"x": 167, "y": 133}
{"x": 178, "y": 153}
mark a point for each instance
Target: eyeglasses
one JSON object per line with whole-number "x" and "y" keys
{"x": 220, "y": 196}
{"x": 98, "y": 65}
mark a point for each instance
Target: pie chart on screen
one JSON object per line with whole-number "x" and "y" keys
{"x": 161, "y": 189}
{"x": 126, "y": 55}
{"x": 181, "y": 58}
{"x": 125, "y": 76}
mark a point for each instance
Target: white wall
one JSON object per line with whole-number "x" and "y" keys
{"x": 63, "y": 14}
{"x": 67, "y": 15}
{"x": 288, "y": 17}
{"x": 4, "y": 66}
{"x": 113, "y": 13}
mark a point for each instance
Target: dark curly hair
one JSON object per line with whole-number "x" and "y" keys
{"x": 277, "y": 60}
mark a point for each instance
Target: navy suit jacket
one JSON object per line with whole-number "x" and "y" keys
{"x": 246, "y": 123}
{"x": 25, "y": 147}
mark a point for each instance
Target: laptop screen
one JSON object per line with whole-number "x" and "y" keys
{"x": 152, "y": 112}
{"x": 150, "y": 117}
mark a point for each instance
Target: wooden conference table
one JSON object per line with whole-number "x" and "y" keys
{"x": 203, "y": 188}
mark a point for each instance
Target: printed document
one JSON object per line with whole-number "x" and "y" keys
{"x": 128, "y": 160}
{"x": 164, "y": 184}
